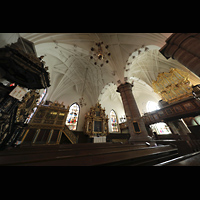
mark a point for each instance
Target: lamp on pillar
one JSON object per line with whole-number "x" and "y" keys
{"x": 137, "y": 129}
{"x": 82, "y": 100}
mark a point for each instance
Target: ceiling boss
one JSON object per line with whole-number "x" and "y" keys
{"x": 100, "y": 54}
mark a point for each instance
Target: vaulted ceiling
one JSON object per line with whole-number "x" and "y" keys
{"x": 133, "y": 55}
{"x": 68, "y": 58}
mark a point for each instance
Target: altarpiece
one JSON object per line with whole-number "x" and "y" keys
{"x": 96, "y": 122}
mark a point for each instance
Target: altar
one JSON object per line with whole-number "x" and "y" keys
{"x": 101, "y": 139}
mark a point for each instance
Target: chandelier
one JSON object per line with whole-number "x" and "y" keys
{"x": 99, "y": 55}
{"x": 82, "y": 102}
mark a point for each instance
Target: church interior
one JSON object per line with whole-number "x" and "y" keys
{"x": 100, "y": 99}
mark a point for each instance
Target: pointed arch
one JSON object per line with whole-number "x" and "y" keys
{"x": 73, "y": 116}
{"x": 114, "y": 121}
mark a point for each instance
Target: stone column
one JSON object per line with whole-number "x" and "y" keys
{"x": 133, "y": 115}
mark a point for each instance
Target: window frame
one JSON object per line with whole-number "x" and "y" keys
{"x": 116, "y": 122}
{"x": 66, "y": 122}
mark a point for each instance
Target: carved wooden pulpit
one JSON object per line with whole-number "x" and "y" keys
{"x": 96, "y": 122}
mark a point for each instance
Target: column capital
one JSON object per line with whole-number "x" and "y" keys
{"x": 123, "y": 86}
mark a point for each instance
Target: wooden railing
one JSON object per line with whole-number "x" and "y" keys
{"x": 185, "y": 108}
{"x": 70, "y": 135}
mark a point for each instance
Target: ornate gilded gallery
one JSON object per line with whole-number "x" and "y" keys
{"x": 115, "y": 88}
{"x": 173, "y": 86}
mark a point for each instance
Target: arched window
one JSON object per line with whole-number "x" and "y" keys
{"x": 42, "y": 97}
{"x": 151, "y": 106}
{"x": 72, "y": 118}
{"x": 114, "y": 122}
{"x": 160, "y": 128}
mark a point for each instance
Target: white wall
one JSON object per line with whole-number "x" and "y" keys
{"x": 142, "y": 100}
{"x": 112, "y": 104}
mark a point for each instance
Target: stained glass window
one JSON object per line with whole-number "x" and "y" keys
{"x": 72, "y": 117}
{"x": 114, "y": 122}
{"x": 160, "y": 128}
{"x": 42, "y": 96}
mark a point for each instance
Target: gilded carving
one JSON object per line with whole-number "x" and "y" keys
{"x": 27, "y": 105}
{"x": 96, "y": 122}
{"x": 173, "y": 86}
{"x": 51, "y": 119}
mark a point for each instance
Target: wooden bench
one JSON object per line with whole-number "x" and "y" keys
{"x": 192, "y": 159}
{"x": 184, "y": 146}
{"x": 86, "y": 155}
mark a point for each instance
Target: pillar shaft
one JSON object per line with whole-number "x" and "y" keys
{"x": 137, "y": 129}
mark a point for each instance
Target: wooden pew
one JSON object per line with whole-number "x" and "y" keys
{"x": 192, "y": 159}
{"x": 184, "y": 146}
{"x": 87, "y": 155}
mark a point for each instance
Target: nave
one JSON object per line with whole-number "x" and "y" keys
{"x": 105, "y": 82}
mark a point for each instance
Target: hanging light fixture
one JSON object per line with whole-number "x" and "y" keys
{"x": 82, "y": 100}
{"x": 100, "y": 54}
